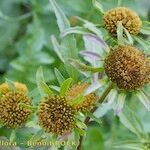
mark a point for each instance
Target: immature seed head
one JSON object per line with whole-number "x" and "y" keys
{"x": 12, "y": 113}
{"x": 56, "y": 115}
{"x": 20, "y": 87}
{"x": 128, "y": 67}
{"x": 89, "y": 100}
{"x": 130, "y": 20}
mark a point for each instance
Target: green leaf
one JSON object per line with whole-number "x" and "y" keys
{"x": 91, "y": 27}
{"x": 80, "y": 124}
{"x": 144, "y": 43}
{"x": 128, "y": 145}
{"x": 120, "y": 33}
{"x": 65, "y": 86}
{"x": 129, "y": 119}
{"x": 77, "y": 100}
{"x": 36, "y": 137}
{"x": 76, "y": 30}
{"x": 83, "y": 67}
{"x": 80, "y": 131}
{"x": 98, "y": 6}
{"x": 145, "y": 30}
{"x": 59, "y": 76}
{"x": 55, "y": 88}
{"x": 13, "y": 136}
{"x": 129, "y": 37}
{"x": 11, "y": 85}
{"x": 92, "y": 116}
{"x": 62, "y": 21}
{"x": 94, "y": 140}
{"x": 57, "y": 48}
{"x": 42, "y": 86}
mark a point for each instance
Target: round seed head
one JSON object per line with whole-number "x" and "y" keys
{"x": 130, "y": 20}
{"x": 20, "y": 87}
{"x": 128, "y": 67}
{"x": 89, "y": 100}
{"x": 56, "y": 115}
{"x": 12, "y": 114}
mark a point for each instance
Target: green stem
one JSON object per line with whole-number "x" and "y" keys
{"x": 101, "y": 100}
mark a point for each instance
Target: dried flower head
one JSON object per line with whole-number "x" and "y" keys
{"x": 130, "y": 20}
{"x": 128, "y": 67}
{"x": 56, "y": 115}
{"x": 89, "y": 101}
{"x": 4, "y": 88}
{"x": 12, "y": 113}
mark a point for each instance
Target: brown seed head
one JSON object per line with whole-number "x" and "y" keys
{"x": 89, "y": 101}
{"x": 128, "y": 67}
{"x": 12, "y": 114}
{"x": 56, "y": 115}
{"x": 130, "y": 20}
{"x": 20, "y": 87}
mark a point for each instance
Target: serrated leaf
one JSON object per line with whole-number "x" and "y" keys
{"x": 62, "y": 21}
{"x": 42, "y": 86}
{"x": 59, "y": 76}
{"x": 57, "y": 48}
{"x": 65, "y": 86}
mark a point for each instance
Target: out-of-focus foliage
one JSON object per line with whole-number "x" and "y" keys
{"x": 26, "y": 27}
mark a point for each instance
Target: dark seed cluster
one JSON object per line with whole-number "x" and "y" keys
{"x": 12, "y": 113}
{"x": 89, "y": 101}
{"x": 56, "y": 115}
{"x": 128, "y": 67}
{"x": 130, "y": 20}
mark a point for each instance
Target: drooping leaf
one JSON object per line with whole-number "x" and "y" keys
{"x": 84, "y": 67}
{"x": 74, "y": 30}
{"x": 62, "y": 21}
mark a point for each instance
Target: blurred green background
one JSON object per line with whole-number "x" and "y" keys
{"x": 25, "y": 30}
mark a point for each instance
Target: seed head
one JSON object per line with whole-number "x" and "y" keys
{"x": 56, "y": 115}
{"x": 128, "y": 67}
{"x": 20, "y": 87}
{"x": 12, "y": 114}
{"x": 130, "y": 20}
{"x": 89, "y": 101}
